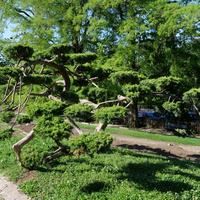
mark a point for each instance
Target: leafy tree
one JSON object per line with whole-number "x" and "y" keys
{"x": 192, "y": 97}
{"x": 30, "y": 70}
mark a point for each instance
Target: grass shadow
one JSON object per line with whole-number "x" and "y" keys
{"x": 143, "y": 148}
{"x": 96, "y": 186}
{"x": 144, "y": 175}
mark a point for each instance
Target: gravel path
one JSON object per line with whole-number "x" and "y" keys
{"x": 9, "y": 191}
{"x": 158, "y": 147}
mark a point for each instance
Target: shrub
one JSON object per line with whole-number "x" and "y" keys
{"x": 82, "y": 58}
{"x": 80, "y": 112}
{"x": 47, "y": 108}
{"x": 18, "y": 51}
{"x": 53, "y": 127}
{"x": 5, "y": 134}
{"x": 126, "y": 77}
{"x": 32, "y": 158}
{"x": 91, "y": 143}
{"x": 110, "y": 114}
{"x": 34, "y": 152}
{"x": 97, "y": 94}
{"x": 69, "y": 97}
{"x": 173, "y": 107}
{"x": 6, "y": 116}
{"x": 23, "y": 119}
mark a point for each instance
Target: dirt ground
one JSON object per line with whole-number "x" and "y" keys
{"x": 157, "y": 147}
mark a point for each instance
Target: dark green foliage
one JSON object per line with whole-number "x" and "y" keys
{"x": 53, "y": 127}
{"x": 9, "y": 72}
{"x": 169, "y": 84}
{"x": 47, "y": 108}
{"x": 192, "y": 97}
{"x": 137, "y": 92}
{"x": 18, "y": 52}
{"x": 44, "y": 54}
{"x": 6, "y": 116}
{"x": 22, "y": 118}
{"x": 33, "y": 153}
{"x": 173, "y": 107}
{"x": 3, "y": 79}
{"x": 80, "y": 112}
{"x": 69, "y": 97}
{"x": 132, "y": 91}
{"x": 97, "y": 94}
{"x": 82, "y": 58}
{"x": 32, "y": 157}
{"x": 100, "y": 73}
{"x": 110, "y": 114}
{"x": 37, "y": 79}
{"x": 125, "y": 77}
{"x": 80, "y": 82}
{"x": 83, "y": 68}
{"x": 60, "y": 49}
{"x": 91, "y": 143}
{"x": 6, "y": 133}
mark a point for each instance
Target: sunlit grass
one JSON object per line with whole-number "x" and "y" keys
{"x": 147, "y": 135}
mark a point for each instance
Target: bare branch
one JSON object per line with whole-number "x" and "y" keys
{"x": 19, "y": 104}
{"x": 18, "y": 146}
{"x": 27, "y": 98}
{"x": 23, "y": 13}
{"x": 7, "y": 88}
{"x": 74, "y": 125}
{"x": 101, "y": 126}
{"x": 61, "y": 69}
{"x": 13, "y": 94}
{"x": 57, "y": 153}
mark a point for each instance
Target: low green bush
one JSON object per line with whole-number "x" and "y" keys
{"x": 6, "y": 116}
{"x": 110, "y": 114}
{"x": 32, "y": 158}
{"x": 80, "y": 112}
{"x": 23, "y": 119}
{"x": 33, "y": 153}
{"x": 53, "y": 127}
{"x": 5, "y": 134}
{"x": 91, "y": 143}
{"x": 46, "y": 108}
{"x": 97, "y": 94}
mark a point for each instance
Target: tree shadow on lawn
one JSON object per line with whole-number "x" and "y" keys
{"x": 144, "y": 175}
{"x": 96, "y": 186}
{"x": 58, "y": 165}
{"x": 196, "y": 157}
{"x": 143, "y": 148}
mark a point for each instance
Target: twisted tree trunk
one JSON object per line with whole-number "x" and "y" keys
{"x": 17, "y": 147}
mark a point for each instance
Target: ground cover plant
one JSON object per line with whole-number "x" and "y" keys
{"x": 119, "y": 174}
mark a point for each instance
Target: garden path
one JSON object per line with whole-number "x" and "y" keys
{"x": 9, "y": 190}
{"x": 158, "y": 147}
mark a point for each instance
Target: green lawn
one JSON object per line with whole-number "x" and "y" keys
{"x": 147, "y": 135}
{"x": 118, "y": 175}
